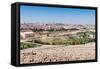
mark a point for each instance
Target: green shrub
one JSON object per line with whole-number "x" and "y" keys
{"x": 27, "y": 45}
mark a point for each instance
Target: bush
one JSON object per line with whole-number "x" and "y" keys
{"x": 27, "y": 45}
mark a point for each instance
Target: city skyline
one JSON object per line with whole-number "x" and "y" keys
{"x": 38, "y": 14}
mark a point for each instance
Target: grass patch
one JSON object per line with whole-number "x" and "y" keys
{"x": 63, "y": 41}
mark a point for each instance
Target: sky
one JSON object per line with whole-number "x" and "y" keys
{"x": 38, "y": 14}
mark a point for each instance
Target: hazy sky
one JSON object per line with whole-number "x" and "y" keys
{"x": 32, "y": 14}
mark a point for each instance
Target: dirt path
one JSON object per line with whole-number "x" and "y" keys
{"x": 49, "y": 53}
